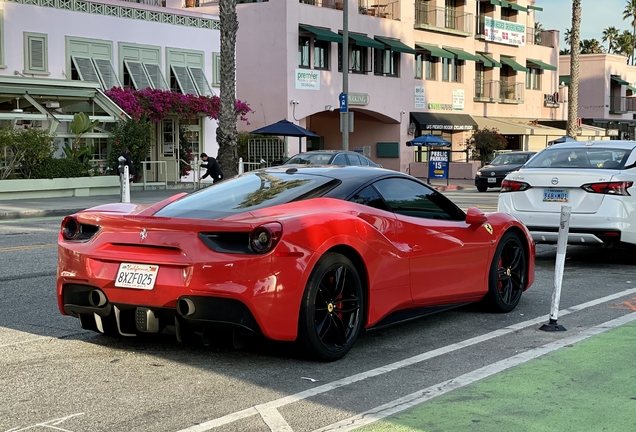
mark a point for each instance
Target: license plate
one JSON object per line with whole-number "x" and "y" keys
{"x": 137, "y": 276}
{"x": 556, "y": 195}
{"x": 492, "y": 180}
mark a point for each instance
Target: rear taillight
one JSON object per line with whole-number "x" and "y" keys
{"x": 265, "y": 237}
{"x": 72, "y": 230}
{"x": 513, "y": 186}
{"x": 609, "y": 188}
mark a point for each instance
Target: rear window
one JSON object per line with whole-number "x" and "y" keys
{"x": 584, "y": 157}
{"x": 310, "y": 159}
{"x": 248, "y": 192}
{"x": 510, "y": 159}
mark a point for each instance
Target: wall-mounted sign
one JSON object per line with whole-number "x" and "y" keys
{"x": 458, "y": 99}
{"x": 551, "y": 100}
{"x": 440, "y": 107}
{"x": 505, "y": 32}
{"x": 358, "y": 99}
{"x": 612, "y": 132}
{"x": 307, "y": 79}
{"x": 420, "y": 97}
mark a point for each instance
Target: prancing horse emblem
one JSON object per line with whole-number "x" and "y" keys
{"x": 143, "y": 234}
{"x": 488, "y": 228}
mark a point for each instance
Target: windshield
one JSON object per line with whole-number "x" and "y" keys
{"x": 510, "y": 159}
{"x": 584, "y": 157}
{"x": 249, "y": 191}
{"x": 310, "y": 159}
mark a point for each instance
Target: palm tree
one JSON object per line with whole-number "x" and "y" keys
{"x": 591, "y": 46}
{"x": 610, "y": 35}
{"x": 573, "y": 89}
{"x": 567, "y": 37}
{"x": 625, "y": 44}
{"x": 538, "y": 28}
{"x": 564, "y": 51}
{"x": 226, "y": 134}
{"x": 630, "y": 13}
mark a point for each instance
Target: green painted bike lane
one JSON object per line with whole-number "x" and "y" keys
{"x": 588, "y": 386}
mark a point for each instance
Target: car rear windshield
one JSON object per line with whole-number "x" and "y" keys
{"x": 583, "y": 157}
{"x": 510, "y": 159}
{"x": 310, "y": 159}
{"x": 250, "y": 191}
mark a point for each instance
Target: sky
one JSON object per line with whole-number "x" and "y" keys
{"x": 596, "y": 16}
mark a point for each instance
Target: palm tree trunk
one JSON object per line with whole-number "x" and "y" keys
{"x": 573, "y": 93}
{"x": 226, "y": 134}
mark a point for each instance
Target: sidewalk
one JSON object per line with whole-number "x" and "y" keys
{"x": 43, "y": 207}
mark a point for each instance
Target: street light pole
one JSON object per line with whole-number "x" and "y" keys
{"x": 344, "y": 111}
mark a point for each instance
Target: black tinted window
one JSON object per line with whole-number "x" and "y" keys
{"x": 409, "y": 198}
{"x": 247, "y": 192}
{"x": 370, "y": 197}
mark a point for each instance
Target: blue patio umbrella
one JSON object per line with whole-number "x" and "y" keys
{"x": 428, "y": 140}
{"x": 563, "y": 139}
{"x": 285, "y": 128}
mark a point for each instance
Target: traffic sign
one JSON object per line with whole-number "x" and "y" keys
{"x": 344, "y": 106}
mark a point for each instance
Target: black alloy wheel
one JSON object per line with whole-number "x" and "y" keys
{"x": 332, "y": 311}
{"x": 508, "y": 274}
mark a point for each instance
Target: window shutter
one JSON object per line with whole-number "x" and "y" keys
{"x": 216, "y": 69}
{"x": 106, "y": 73}
{"x": 85, "y": 69}
{"x": 156, "y": 77}
{"x": 198, "y": 76}
{"x": 184, "y": 80}
{"x": 36, "y": 55}
{"x": 138, "y": 75}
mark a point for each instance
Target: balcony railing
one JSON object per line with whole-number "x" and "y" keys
{"x": 542, "y": 37}
{"x": 511, "y": 92}
{"x": 331, "y": 4}
{"x": 442, "y": 18}
{"x": 380, "y": 8}
{"x": 148, "y": 2}
{"x": 487, "y": 91}
{"x": 197, "y": 3}
{"x": 622, "y": 104}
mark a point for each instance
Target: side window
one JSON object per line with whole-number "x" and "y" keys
{"x": 370, "y": 197}
{"x": 364, "y": 161}
{"x": 410, "y": 198}
{"x": 340, "y": 159}
{"x": 354, "y": 159}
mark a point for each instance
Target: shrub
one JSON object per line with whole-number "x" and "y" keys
{"x": 484, "y": 142}
{"x": 137, "y": 136}
{"x": 58, "y": 168}
{"x": 24, "y": 148}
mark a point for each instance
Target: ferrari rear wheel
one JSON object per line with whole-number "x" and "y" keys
{"x": 332, "y": 311}
{"x": 508, "y": 274}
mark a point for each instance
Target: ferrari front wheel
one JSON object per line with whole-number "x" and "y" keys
{"x": 332, "y": 311}
{"x": 508, "y": 274}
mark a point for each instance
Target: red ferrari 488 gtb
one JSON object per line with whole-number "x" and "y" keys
{"x": 307, "y": 254}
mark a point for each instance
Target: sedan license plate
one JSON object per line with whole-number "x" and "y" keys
{"x": 492, "y": 180}
{"x": 137, "y": 276}
{"x": 556, "y": 195}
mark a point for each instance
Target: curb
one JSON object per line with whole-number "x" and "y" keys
{"x": 38, "y": 213}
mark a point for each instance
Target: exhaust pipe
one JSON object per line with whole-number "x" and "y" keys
{"x": 185, "y": 307}
{"x": 97, "y": 298}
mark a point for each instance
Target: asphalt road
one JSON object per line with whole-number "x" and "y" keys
{"x": 57, "y": 376}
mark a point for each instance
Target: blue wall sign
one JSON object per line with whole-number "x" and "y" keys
{"x": 438, "y": 163}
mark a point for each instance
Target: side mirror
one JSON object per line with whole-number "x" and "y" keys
{"x": 474, "y": 216}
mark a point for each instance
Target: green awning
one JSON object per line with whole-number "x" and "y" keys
{"x": 322, "y": 34}
{"x": 495, "y": 2}
{"x": 537, "y": 8}
{"x": 632, "y": 88}
{"x": 542, "y": 65}
{"x": 462, "y": 55}
{"x": 565, "y": 79}
{"x": 396, "y": 45}
{"x": 513, "y": 64}
{"x": 504, "y": 3}
{"x": 619, "y": 80}
{"x": 434, "y": 50}
{"x": 515, "y": 6}
{"x": 364, "y": 41}
{"x": 489, "y": 61}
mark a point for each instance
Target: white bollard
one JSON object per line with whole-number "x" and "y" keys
{"x": 240, "y": 167}
{"x": 562, "y": 245}
{"x": 125, "y": 185}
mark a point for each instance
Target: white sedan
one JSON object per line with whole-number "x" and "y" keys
{"x": 595, "y": 178}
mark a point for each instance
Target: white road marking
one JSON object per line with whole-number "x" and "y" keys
{"x": 274, "y": 420}
{"x": 51, "y": 424}
{"x": 435, "y": 390}
{"x": 277, "y": 403}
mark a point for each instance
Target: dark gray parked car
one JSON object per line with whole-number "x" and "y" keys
{"x": 330, "y": 157}
{"x": 492, "y": 174}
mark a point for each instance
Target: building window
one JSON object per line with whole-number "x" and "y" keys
{"x": 386, "y": 62}
{"x": 533, "y": 79}
{"x": 100, "y": 148}
{"x": 358, "y": 58}
{"x": 139, "y": 67}
{"x": 90, "y": 60}
{"x": 508, "y": 14}
{"x": 169, "y": 138}
{"x": 430, "y": 67}
{"x": 2, "y": 65}
{"x": 419, "y": 63}
{"x": 216, "y": 69}
{"x": 451, "y": 70}
{"x": 321, "y": 54}
{"x": 35, "y": 54}
{"x": 303, "y": 51}
{"x": 186, "y": 72}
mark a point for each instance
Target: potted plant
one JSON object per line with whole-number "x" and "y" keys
{"x": 510, "y": 93}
